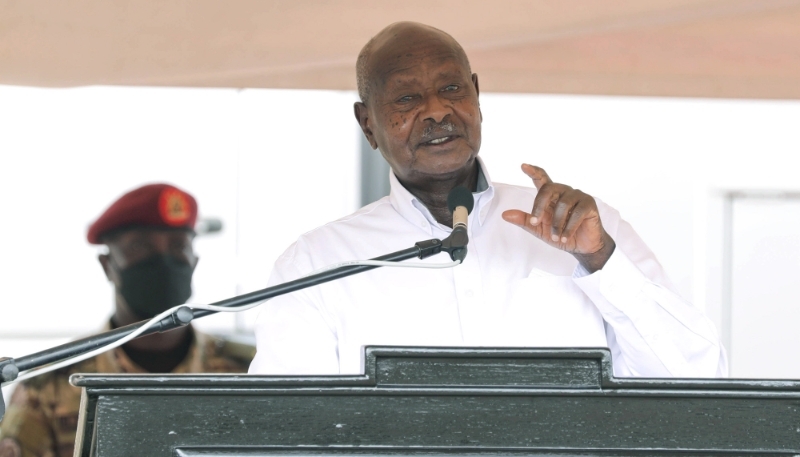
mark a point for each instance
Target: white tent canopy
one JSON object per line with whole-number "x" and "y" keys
{"x": 695, "y": 48}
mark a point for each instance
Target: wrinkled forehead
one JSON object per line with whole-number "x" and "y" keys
{"x": 404, "y": 54}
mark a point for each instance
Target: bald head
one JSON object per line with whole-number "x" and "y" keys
{"x": 384, "y": 52}
{"x": 420, "y": 109}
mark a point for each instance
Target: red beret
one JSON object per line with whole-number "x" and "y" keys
{"x": 153, "y": 205}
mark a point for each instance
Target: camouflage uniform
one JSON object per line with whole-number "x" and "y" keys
{"x": 42, "y": 416}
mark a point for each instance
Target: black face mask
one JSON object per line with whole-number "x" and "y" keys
{"x": 156, "y": 284}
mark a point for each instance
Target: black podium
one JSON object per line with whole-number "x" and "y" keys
{"x": 440, "y": 402}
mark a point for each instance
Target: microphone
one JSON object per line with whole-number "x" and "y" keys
{"x": 460, "y": 202}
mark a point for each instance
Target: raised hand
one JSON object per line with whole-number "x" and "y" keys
{"x": 565, "y": 218}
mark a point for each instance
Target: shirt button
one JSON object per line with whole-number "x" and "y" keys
{"x": 469, "y": 293}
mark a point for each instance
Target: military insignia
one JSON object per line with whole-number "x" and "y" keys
{"x": 173, "y": 205}
{"x": 10, "y": 448}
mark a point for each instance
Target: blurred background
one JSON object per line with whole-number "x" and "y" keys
{"x": 684, "y": 115}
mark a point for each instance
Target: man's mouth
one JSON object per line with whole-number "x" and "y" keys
{"x": 437, "y": 141}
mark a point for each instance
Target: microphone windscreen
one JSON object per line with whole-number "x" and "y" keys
{"x": 460, "y": 196}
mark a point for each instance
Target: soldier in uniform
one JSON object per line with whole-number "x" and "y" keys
{"x": 150, "y": 261}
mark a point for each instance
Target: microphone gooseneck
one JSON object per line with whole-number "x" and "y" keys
{"x": 459, "y": 201}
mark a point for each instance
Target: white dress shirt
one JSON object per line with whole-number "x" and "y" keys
{"x": 513, "y": 290}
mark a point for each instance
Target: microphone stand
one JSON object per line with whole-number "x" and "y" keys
{"x": 455, "y": 245}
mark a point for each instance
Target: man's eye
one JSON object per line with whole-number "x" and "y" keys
{"x": 451, "y": 87}
{"x": 139, "y": 245}
{"x": 405, "y": 99}
{"x": 178, "y": 246}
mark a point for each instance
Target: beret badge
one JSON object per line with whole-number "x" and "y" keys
{"x": 173, "y": 205}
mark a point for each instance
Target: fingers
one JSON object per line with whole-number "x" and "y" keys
{"x": 516, "y": 217}
{"x": 545, "y": 201}
{"x": 522, "y": 219}
{"x": 584, "y": 209}
{"x": 553, "y": 208}
{"x": 538, "y": 175}
{"x": 563, "y": 214}
{"x": 557, "y": 214}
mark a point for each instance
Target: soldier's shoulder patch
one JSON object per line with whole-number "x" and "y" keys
{"x": 9, "y": 447}
{"x": 62, "y": 374}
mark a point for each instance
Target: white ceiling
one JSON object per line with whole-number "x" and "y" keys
{"x": 695, "y": 48}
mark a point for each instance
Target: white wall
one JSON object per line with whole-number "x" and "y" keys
{"x": 665, "y": 164}
{"x": 764, "y": 302}
{"x": 270, "y": 164}
{"x": 653, "y": 159}
{"x": 274, "y": 164}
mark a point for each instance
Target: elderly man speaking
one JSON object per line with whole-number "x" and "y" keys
{"x": 548, "y": 266}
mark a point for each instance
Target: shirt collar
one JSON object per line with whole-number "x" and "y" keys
{"x": 415, "y": 211}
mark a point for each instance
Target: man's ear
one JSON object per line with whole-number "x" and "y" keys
{"x": 362, "y": 116}
{"x": 477, "y": 92}
{"x": 475, "y": 83}
{"x": 105, "y": 262}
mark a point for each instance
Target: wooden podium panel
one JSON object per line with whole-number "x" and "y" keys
{"x": 436, "y": 403}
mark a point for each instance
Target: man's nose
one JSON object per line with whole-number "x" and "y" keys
{"x": 435, "y": 109}
{"x": 161, "y": 244}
